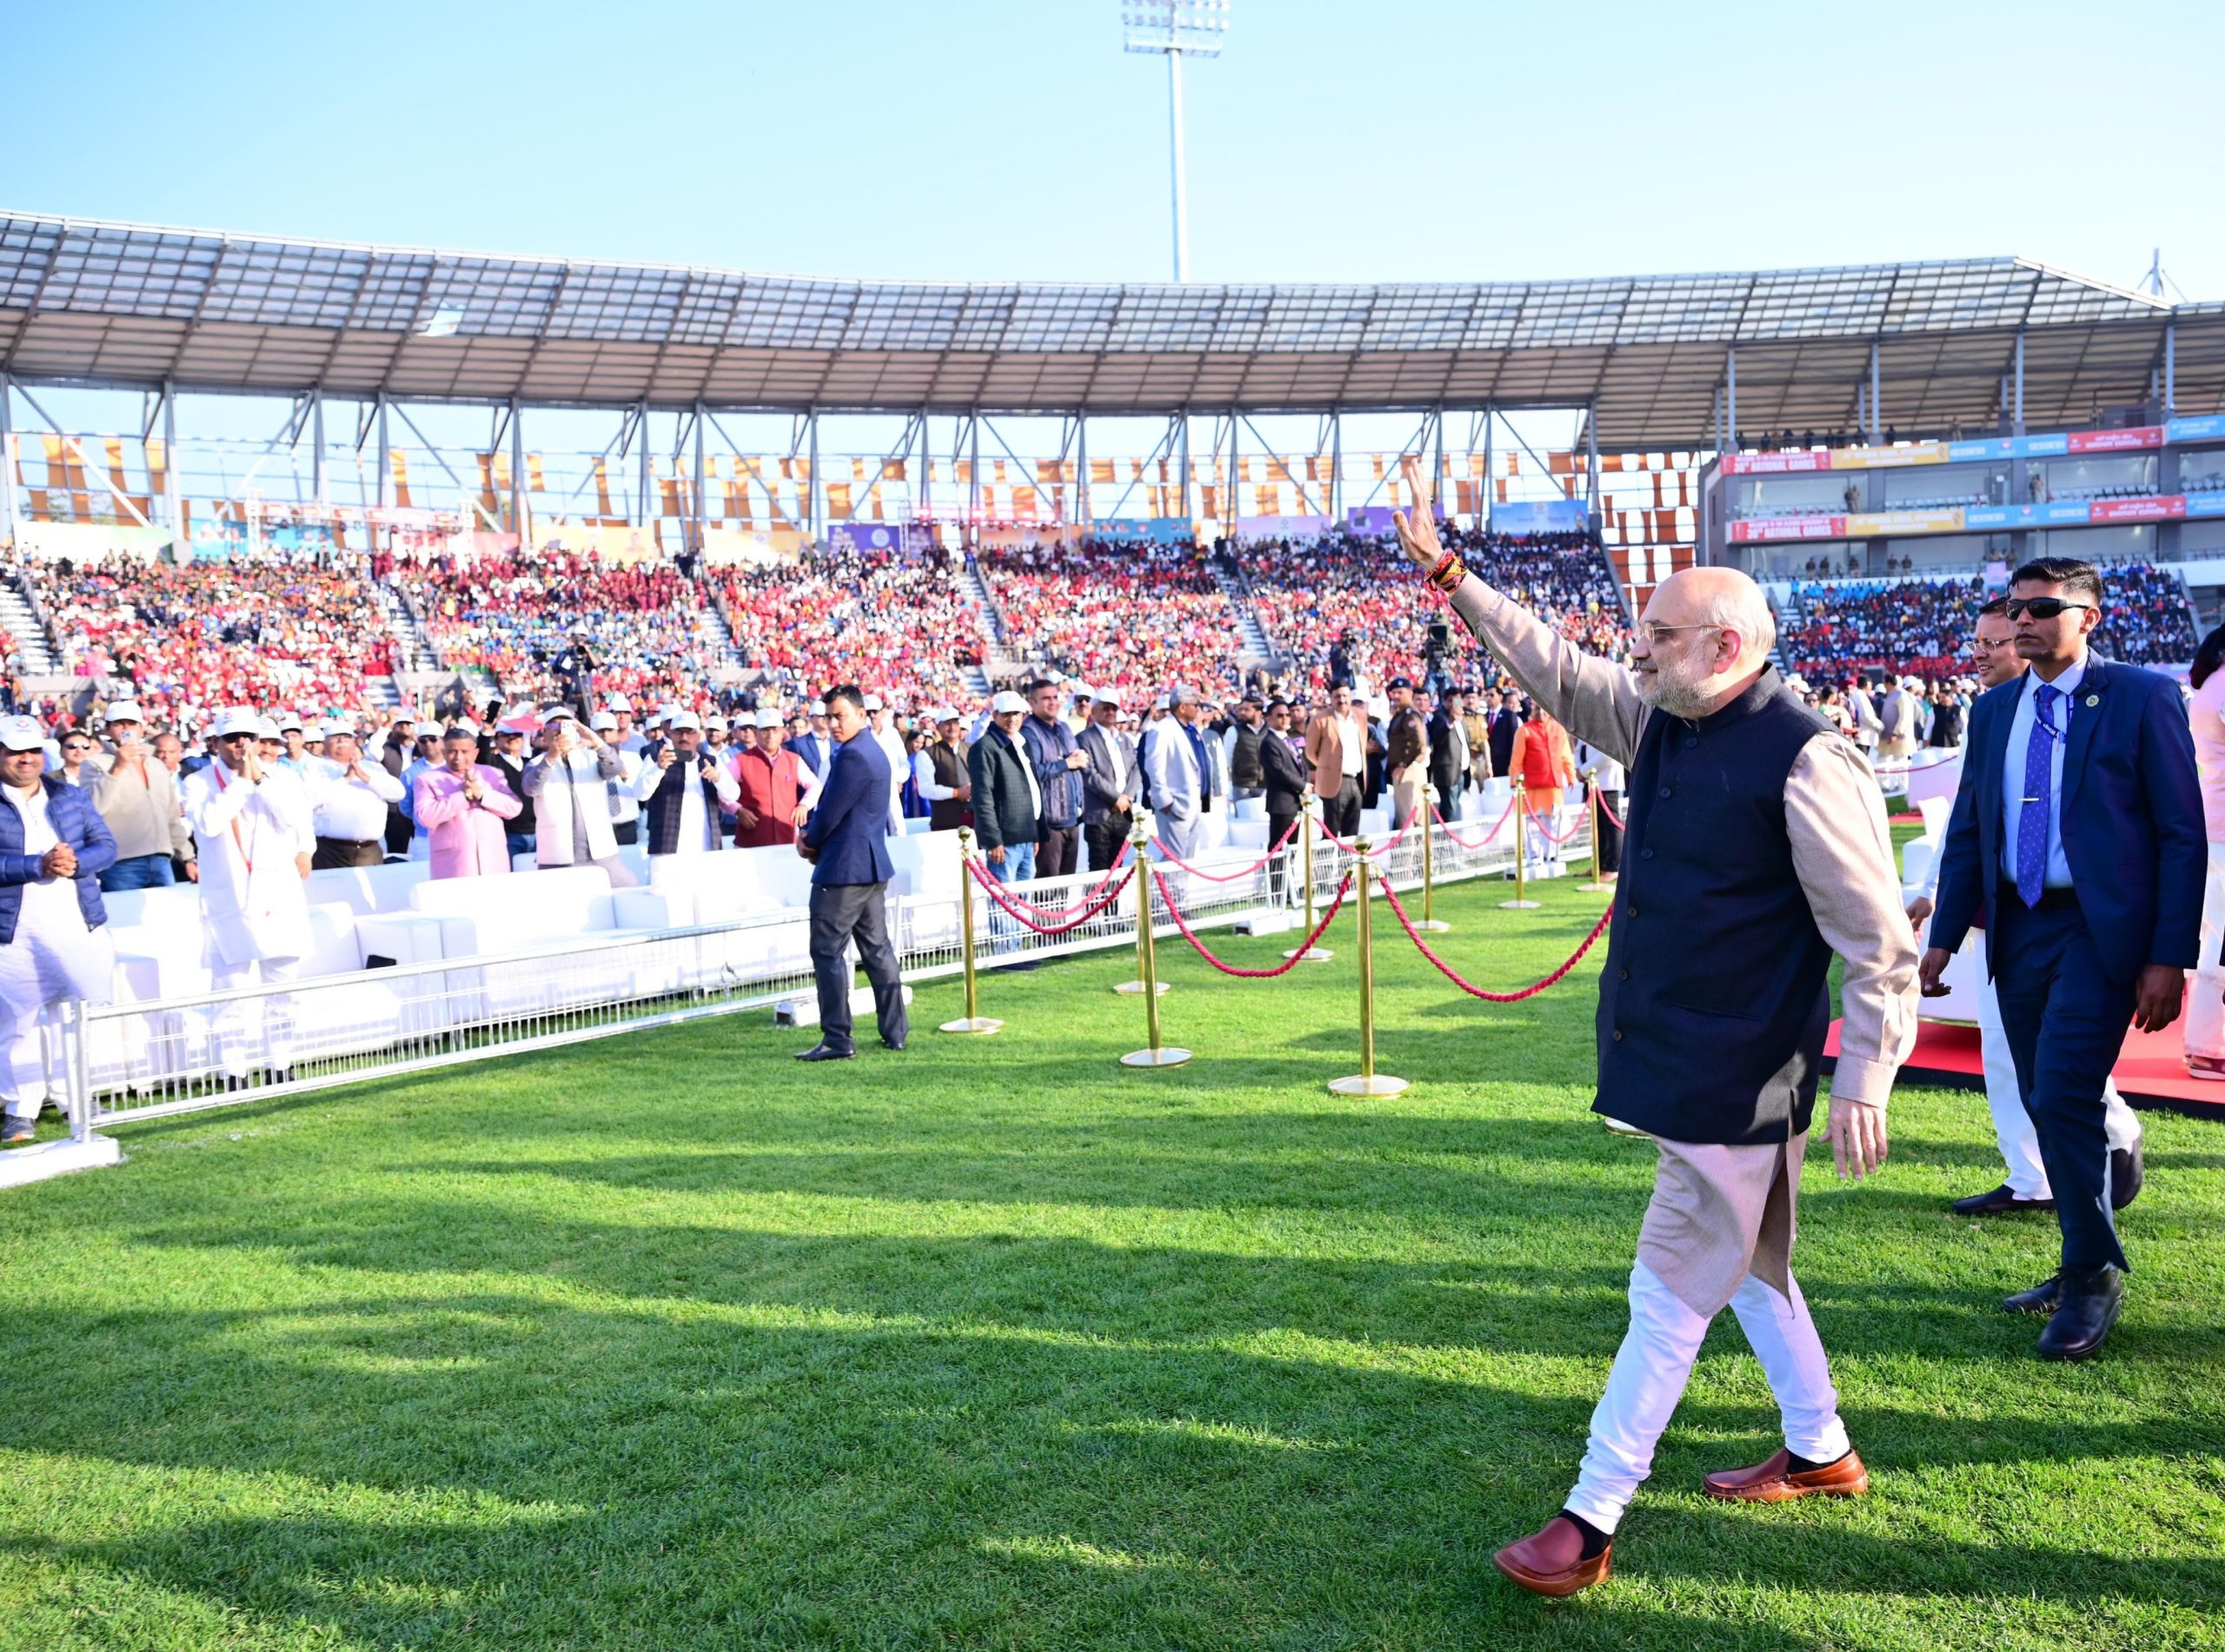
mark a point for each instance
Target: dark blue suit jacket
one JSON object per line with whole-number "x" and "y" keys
{"x": 849, "y": 826}
{"x": 2132, "y": 823}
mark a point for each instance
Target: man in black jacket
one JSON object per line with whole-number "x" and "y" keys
{"x": 1008, "y": 803}
{"x": 1283, "y": 766}
{"x": 1506, "y": 723}
{"x": 1448, "y": 754}
{"x": 1111, "y": 784}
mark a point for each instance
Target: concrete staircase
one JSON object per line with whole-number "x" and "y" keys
{"x": 1258, "y": 648}
{"x": 992, "y": 619}
{"x": 976, "y": 680}
{"x": 20, "y": 619}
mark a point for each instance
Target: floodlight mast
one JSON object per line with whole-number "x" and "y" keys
{"x": 1174, "y": 26}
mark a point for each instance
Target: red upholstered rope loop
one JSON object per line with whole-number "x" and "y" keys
{"x": 1529, "y": 992}
{"x": 1616, "y": 820}
{"x": 1488, "y": 837}
{"x": 982, "y": 871}
{"x": 1089, "y": 910}
{"x": 1380, "y": 849}
{"x": 1538, "y": 818}
{"x": 1159, "y": 844}
{"x": 1286, "y": 966}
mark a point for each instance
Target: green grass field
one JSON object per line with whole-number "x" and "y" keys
{"x": 668, "y": 1342}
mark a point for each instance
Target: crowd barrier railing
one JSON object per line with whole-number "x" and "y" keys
{"x": 127, "y": 1063}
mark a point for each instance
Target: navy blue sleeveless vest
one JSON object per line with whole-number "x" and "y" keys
{"x": 1713, "y": 1004}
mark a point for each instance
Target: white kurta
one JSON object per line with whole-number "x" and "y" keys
{"x": 53, "y": 956}
{"x": 253, "y": 899}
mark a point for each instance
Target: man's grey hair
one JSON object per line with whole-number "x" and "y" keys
{"x": 1745, "y": 609}
{"x": 1179, "y": 696}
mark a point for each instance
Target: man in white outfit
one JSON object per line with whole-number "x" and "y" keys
{"x": 1993, "y": 648}
{"x": 569, "y": 784}
{"x": 899, "y": 761}
{"x": 53, "y": 943}
{"x": 252, "y": 822}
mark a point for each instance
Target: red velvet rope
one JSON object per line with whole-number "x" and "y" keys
{"x": 981, "y": 868}
{"x": 1487, "y": 837}
{"x": 1382, "y": 848}
{"x": 1226, "y": 877}
{"x": 1611, "y": 815}
{"x": 1538, "y": 818}
{"x": 1529, "y": 992}
{"x": 1286, "y": 966}
{"x": 996, "y": 893}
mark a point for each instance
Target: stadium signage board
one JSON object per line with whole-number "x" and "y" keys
{"x": 2134, "y": 439}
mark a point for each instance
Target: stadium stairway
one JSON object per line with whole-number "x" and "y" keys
{"x": 976, "y": 680}
{"x": 1259, "y": 648}
{"x": 970, "y": 580}
{"x": 19, "y": 617}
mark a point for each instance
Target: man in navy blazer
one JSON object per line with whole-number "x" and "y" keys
{"x": 847, "y": 841}
{"x": 2077, "y": 839}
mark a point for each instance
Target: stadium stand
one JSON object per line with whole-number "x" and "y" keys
{"x": 1309, "y": 592}
{"x": 908, "y": 626}
{"x": 1129, "y": 616}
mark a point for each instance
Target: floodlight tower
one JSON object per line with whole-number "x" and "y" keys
{"x": 1198, "y": 27}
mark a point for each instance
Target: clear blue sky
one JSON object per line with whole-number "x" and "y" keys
{"x": 1405, "y": 140}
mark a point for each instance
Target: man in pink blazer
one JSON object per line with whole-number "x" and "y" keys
{"x": 462, "y": 804}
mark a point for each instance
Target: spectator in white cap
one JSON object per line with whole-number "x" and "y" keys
{"x": 423, "y": 761}
{"x": 777, "y": 791}
{"x": 137, "y": 798}
{"x": 467, "y": 808}
{"x": 683, "y": 792}
{"x": 252, "y": 822}
{"x": 623, "y": 734}
{"x": 625, "y": 805}
{"x": 1008, "y": 802}
{"x": 714, "y": 738}
{"x": 348, "y": 798}
{"x": 939, "y": 771}
{"x": 569, "y": 784}
{"x": 293, "y": 734}
{"x": 882, "y": 727}
{"x": 53, "y": 947}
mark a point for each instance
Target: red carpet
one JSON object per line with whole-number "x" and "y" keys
{"x": 2148, "y": 1070}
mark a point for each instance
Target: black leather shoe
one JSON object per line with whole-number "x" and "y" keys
{"x": 2127, "y": 1174}
{"x": 1999, "y": 1202}
{"x": 896, "y": 1044}
{"x": 826, "y": 1053}
{"x": 2092, "y": 1299}
{"x": 2042, "y": 1298}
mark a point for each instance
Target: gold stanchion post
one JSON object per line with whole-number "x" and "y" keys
{"x": 1591, "y": 802}
{"x": 1157, "y": 1055}
{"x": 973, "y": 1020}
{"x": 1310, "y": 816}
{"x": 1520, "y": 903}
{"x": 1429, "y": 921}
{"x": 1138, "y": 835}
{"x": 1367, "y": 1081}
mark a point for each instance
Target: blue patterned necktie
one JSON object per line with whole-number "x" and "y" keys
{"x": 2039, "y": 777}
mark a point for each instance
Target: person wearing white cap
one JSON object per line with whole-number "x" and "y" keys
{"x": 466, "y": 806}
{"x": 252, "y": 822}
{"x": 623, "y": 734}
{"x": 1180, "y": 770}
{"x": 569, "y": 784}
{"x": 350, "y": 796}
{"x": 683, "y": 791}
{"x": 293, "y": 732}
{"x": 53, "y": 944}
{"x": 777, "y": 791}
{"x": 939, "y": 770}
{"x": 137, "y": 799}
{"x": 1007, "y": 803}
{"x": 882, "y": 727}
{"x": 625, "y": 806}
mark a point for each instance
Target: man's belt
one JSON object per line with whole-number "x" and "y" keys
{"x": 350, "y": 843}
{"x": 2051, "y": 901}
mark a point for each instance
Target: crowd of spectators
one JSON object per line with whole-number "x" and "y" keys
{"x": 1311, "y": 593}
{"x": 652, "y": 632}
{"x": 905, "y": 624}
{"x": 1128, "y": 616}
{"x": 1919, "y": 625}
{"x": 303, "y": 631}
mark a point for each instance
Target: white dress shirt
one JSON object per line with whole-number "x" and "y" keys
{"x": 2012, "y": 774}
{"x": 349, "y": 811}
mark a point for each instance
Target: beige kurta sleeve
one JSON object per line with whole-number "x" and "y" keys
{"x": 1842, "y": 854}
{"x": 1594, "y": 698}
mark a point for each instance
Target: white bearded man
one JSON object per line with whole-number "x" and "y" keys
{"x": 1755, "y": 833}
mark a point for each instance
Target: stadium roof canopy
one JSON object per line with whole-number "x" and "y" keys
{"x": 133, "y": 306}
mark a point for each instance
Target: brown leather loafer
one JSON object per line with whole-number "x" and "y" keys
{"x": 1550, "y": 1561}
{"x": 1775, "y": 1482}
